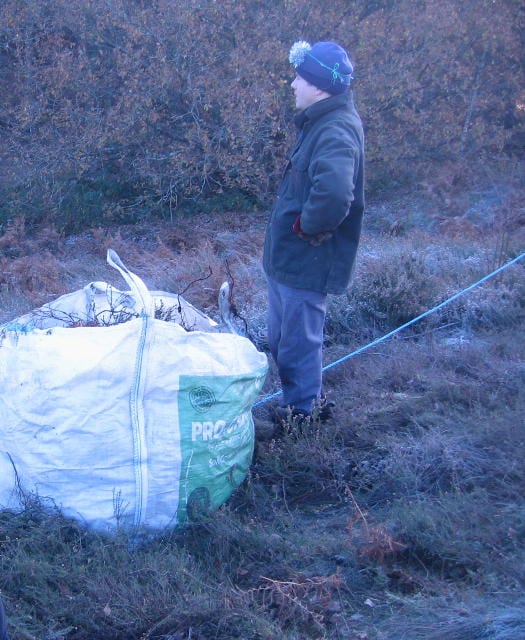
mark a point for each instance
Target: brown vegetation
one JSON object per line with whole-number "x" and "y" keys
{"x": 159, "y": 129}
{"x": 114, "y": 111}
{"x": 403, "y": 513}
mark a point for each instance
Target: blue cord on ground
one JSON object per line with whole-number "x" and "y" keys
{"x": 407, "y": 324}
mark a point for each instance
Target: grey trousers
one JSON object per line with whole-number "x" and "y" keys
{"x": 295, "y": 326}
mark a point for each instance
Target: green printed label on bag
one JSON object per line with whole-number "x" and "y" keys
{"x": 216, "y": 435}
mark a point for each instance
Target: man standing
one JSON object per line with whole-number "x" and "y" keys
{"x": 313, "y": 232}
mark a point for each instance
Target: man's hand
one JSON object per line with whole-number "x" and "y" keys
{"x": 314, "y": 239}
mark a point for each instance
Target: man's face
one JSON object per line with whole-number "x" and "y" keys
{"x": 306, "y": 94}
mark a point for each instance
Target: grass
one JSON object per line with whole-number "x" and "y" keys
{"x": 401, "y": 519}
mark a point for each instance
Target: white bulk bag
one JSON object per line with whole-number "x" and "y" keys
{"x": 140, "y": 423}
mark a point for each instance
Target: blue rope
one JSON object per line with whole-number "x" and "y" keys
{"x": 404, "y": 326}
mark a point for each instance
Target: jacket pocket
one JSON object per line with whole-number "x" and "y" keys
{"x": 300, "y": 180}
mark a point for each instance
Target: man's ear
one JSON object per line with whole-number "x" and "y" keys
{"x": 321, "y": 94}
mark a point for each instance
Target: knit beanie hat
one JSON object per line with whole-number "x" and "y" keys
{"x": 325, "y": 65}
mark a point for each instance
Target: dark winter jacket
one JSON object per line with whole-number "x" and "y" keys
{"x": 323, "y": 184}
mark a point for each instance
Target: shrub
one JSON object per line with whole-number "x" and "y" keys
{"x": 113, "y": 111}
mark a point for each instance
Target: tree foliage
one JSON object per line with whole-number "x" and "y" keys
{"x": 111, "y": 109}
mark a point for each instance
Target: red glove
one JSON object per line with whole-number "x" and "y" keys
{"x": 296, "y": 227}
{"x": 315, "y": 240}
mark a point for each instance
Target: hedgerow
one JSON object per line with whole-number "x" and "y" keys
{"x": 113, "y": 111}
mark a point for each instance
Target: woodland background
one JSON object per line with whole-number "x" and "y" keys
{"x": 119, "y": 110}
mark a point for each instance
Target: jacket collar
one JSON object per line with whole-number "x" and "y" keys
{"x": 316, "y": 110}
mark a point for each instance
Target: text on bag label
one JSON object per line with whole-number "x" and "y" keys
{"x": 206, "y": 431}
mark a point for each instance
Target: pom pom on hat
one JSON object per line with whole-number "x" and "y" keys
{"x": 325, "y": 65}
{"x": 298, "y": 52}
